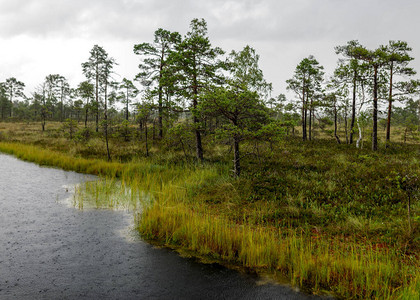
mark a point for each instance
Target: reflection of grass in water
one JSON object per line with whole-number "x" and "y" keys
{"x": 107, "y": 193}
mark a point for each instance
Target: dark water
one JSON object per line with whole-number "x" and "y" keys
{"x": 49, "y": 250}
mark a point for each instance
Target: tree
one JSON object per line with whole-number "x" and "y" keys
{"x": 305, "y": 82}
{"x": 86, "y": 91}
{"x": 331, "y": 100}
{"x": 99, "y": 68}
{"x": 57, "y": 90}
{"x": 350, "y": 71}
{"x": 51, "y": 92}
{"x": 64, "y": 92}
{"x": 153, "y": 70}
{"x": 397, "y": 59}
{"x": 277, "y": 106}
{"x": 77, "y": 109}
{"x": 129, "y": 92}
{"x": 106, "y": 70}
{"x": 409, "y": 183}
{"x": 93, "y": 70}
{"x": 144, "y": 111}
{"x": 14, "y": 89}
{"x": 239, "y": 101}
{"x": 40, "y": 98}
{"x": 4, "y": 101}
{"x": 194, "y": 64}
{"x": 408, "y": 117}
{"x": 375, "y": 59}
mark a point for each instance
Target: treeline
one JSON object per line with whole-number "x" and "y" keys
{"x": 191, "y": 90}
{"x": 362, "y": 79}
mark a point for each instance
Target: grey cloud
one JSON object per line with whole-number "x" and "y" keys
{"x": 314, "y": 20}
{"x": 93, "y": 18}
{"x": 230, "y": 19}
{"x": 278, "y": 28}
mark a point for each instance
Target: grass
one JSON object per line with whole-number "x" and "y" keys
{"x": 326, "y": 216}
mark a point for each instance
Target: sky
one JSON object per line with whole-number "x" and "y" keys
{"x": 42, "y": 37}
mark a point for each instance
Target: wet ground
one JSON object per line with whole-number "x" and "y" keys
{"x": 49, "y": 250}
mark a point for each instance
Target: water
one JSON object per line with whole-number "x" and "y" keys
{"x": 49, "y": 250}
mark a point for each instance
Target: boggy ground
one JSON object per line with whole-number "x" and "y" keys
{"x": 329, "y": 217}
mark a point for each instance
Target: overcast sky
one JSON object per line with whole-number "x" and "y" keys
{"x": 41, "y": 37}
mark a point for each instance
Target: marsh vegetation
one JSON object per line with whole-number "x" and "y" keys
{"x": 317, "y": 188}
{"x": 328, "y": 217}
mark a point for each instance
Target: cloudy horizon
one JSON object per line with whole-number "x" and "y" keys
{"x": 44, "y": 37}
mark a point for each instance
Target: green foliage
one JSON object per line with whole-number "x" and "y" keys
{"x": 128, "y": 92}
{"x": 306, "y": 84}
{"x": 83, "y": 135}
{"x": 69, "y": 128}
{"x": 273, "y": 131}
{"x": 5, "y": 104}
{"x": 325, "y": 122}
{"x": 155, "y": 55}
{"x": 409, "y": 183}
{"x": 239, "y": 102}
{"x": 180, "y": 137}
{"x": 123, "y": 130}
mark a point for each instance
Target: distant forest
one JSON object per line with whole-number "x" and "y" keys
{"x": 190, "y": 87}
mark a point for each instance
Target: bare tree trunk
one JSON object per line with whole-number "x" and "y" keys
{"x": 359, "y": 143}
{"x": 306, "y": 124}
{"x": 160, "y": 113}
{"x": 86, "y": 117}
{"x": 160, "y": 101}
{"x": 236, "y": 157}
{"x": 106, "y": 124}
{"x": 388, "y": 123}
{"x": 335, "y": 125}
{"x": 199, "y": 146}
{"x": 313, "y": 123}
{"x": 303, "y": 114}
{"x": 154, "y": 129}
{"x": 126, "y": 106}
{"x": 310, "y": 121}
{"x": 360, "y": 134}
{"x": 346, "y": 125}
{"x": 375, "y": 110}
{"x": 43, "y": 110}
{"x": 11, "y": 103}
{"x": 97, "y": 97}
{"x": 145, "y": 135}
{"x": 62, "y": 105}
{"x": 353, "y": 107}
